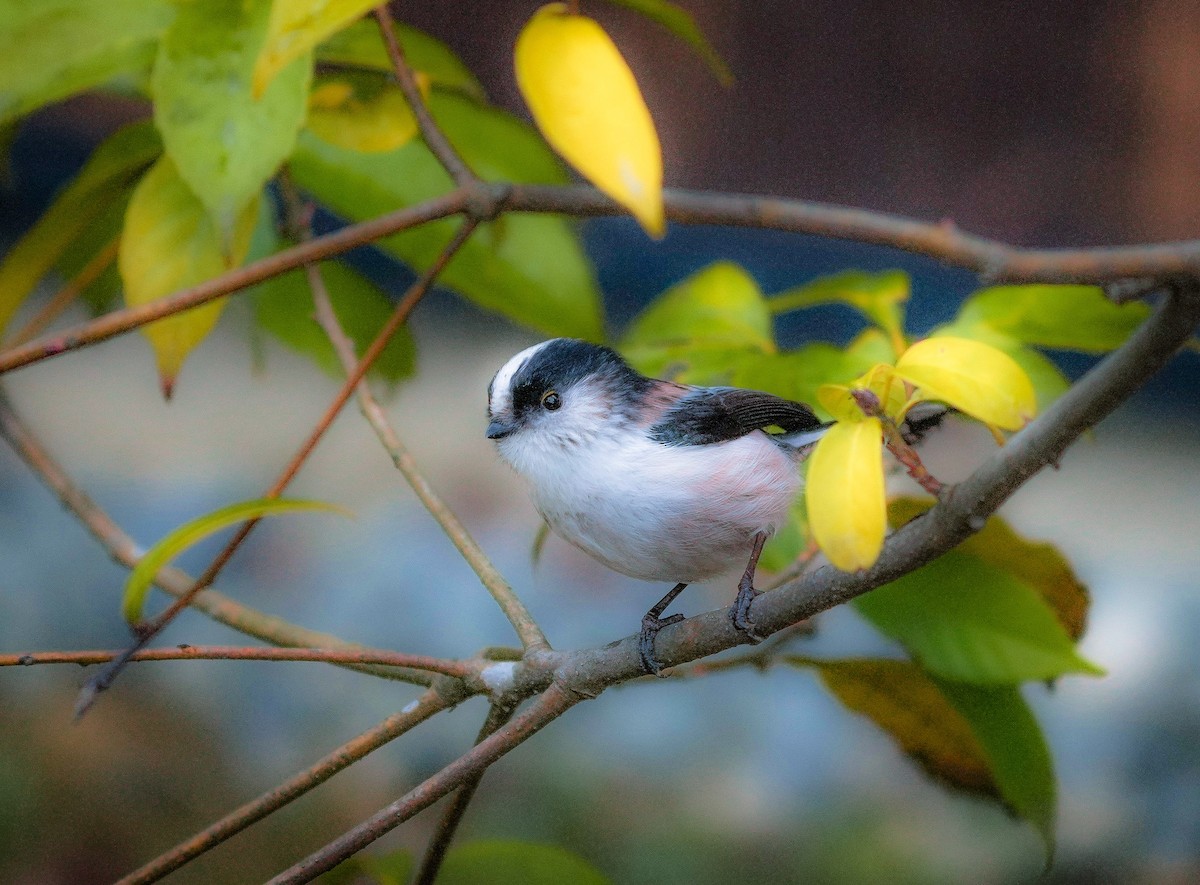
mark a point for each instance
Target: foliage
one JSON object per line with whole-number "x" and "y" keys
{"x": 236, "y": 100}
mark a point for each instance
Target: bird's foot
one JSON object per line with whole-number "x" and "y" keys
{"x": 651, "y": 624}
{"x": 739, "y": 613}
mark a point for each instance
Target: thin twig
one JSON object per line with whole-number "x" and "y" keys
{"x": 435, "y": 852}
{"x": 528, "y": 631}
{"x": 65, "y": 297}
{"x": 118, "y": 322}
{"x": 414, "y": 714}
{"x": 456, "y": 669}
{"x": 125, "y": 552}
{"x": 437, "y": 142}
{"x": 555, "y": 701}
{"x": 993, "y": 260}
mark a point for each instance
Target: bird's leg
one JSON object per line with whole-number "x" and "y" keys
{"x": 740, "y": 613}
{"x": 651, "y": 624}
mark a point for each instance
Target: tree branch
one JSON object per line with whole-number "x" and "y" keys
{"x": 122, "y": 549}
{"x": 555, "y": 701}
{"x": 431, "y": 702}
{"x": 437, "y": 142}
{"x": 993, "y": 260}
{"x": 118, "y": 322}
{"x": 456, "y": 669}
{"x": 518, "y": 615}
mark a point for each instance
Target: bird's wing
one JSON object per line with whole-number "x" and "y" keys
{"x": 715, "y": 414}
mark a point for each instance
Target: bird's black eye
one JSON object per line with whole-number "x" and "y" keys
{"x": 551, "y": 401}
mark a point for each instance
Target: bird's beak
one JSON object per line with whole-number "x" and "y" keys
{"x": 499, "y": 429}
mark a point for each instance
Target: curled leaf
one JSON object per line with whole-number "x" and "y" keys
{"x": 845, "y": 494}
{"x": 586, "y": 102}
{"x": 142, "y": 576}
{"x": 971, "y": 376}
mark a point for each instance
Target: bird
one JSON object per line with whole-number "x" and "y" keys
{"x": 657, "y": 480}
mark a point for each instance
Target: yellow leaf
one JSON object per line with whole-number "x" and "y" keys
{"x": 881, "y": 381}
{"x": 971, "y": 376}
{"x": 844, "y": 493}
{"x": 295, "y": 27}
{"x": 168, "y": 243}
{"x": 360, "y": 112}
{"x": 587, "y": 104}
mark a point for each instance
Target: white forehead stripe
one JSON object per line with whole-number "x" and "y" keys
{"x": 502, "y": 384}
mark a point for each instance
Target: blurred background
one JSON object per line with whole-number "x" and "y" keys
{"x": 1079, "y": 125}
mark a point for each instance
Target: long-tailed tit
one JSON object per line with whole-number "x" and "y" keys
{"x": 657, "y": 480}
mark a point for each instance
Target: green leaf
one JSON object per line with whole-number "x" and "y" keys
{"x": 169, "y": 242}
{"x": 498, "y": 862}
{"x": 284, "y": 307}
{"x": 680, "y": 23}
{"x": 142, "y": 576}
{"x": 106, "y": 179}
{"x": 1065, "y": 317}
{"x": 1016, "y": 752}
{"x": 225, "y": 143}
{"x": 699, "y": 323}
{"x": 968, "y": 620}
{"x": 1039, "y": 565}
{"x": 104, "y": 292}
{"x": 361, "y": 46}
{"x": 52, "y": 49}
{"x": 530, "y": 268}
{"x": 798, "y": 374}
{"x": 877, "y": 296}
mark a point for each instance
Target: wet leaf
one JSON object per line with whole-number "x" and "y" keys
{"x": 225, "y": 142}
{"x": 968, "y": 620}
{"x": 586, "y": 102}
{"x": 52, "y": 49}
{"x": 680, "y": 23}
{"x": 169, "y": 243}
{"x": 141, "y": 578}
{"x": 973, "y": 377}
{"x": 844, "y": 494}
{"x": 530, "y": 268}
{"x": 295, "y": 27}
{"x": 361, "y": 112}
{"x": 1065, "y": 317}
{"x": 106, "y": 179}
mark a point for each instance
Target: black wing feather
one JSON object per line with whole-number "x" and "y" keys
{"x": 716, "y": 414}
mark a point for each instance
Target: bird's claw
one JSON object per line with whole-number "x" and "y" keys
{"x": 739, "y": 613}
{"x": 650, "y": 627}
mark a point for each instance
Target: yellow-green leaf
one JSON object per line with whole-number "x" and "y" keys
{"x": 878, "y": 296}
{"x": 845, "y": 494}
{"x": 105, "y": 179}
{"x": 142, "y": 576}
{"x": 360, "y": 111}
{"x": 295, "y": 27}
{"x": 170, "y": 242}
{"x": 587, "y": 103}
{"x": 971, "y": 376}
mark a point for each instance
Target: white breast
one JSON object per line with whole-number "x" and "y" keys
{"x": 656, "y": 512}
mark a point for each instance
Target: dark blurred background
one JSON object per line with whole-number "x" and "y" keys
{"x": 1073, "y": 123}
